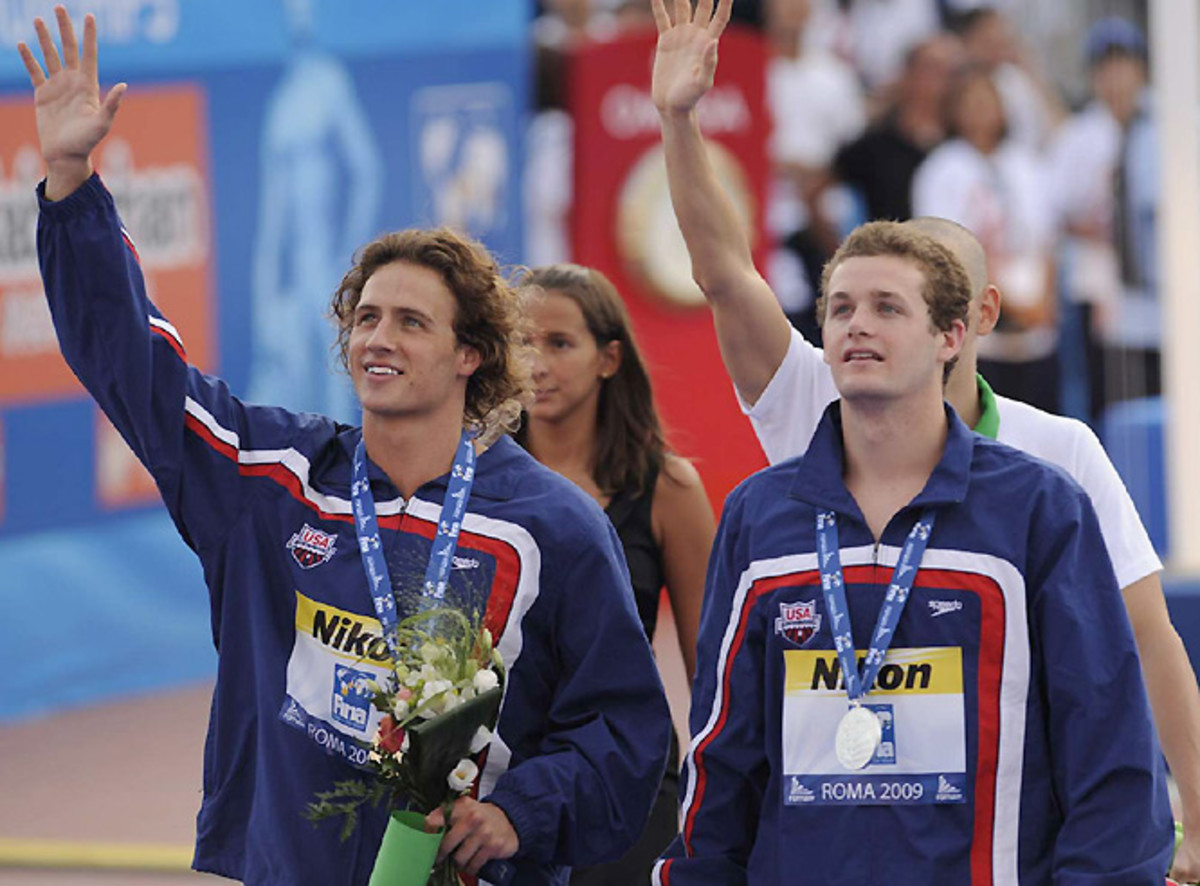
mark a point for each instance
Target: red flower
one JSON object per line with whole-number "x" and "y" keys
{"x": 391, "y": 736}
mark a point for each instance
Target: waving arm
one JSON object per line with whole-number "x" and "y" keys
{"x": 752, "y": 330}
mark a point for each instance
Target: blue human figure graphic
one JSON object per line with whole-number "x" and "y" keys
{"x": 321, "y": 184}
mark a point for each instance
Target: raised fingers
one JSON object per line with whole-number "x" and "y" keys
{"x": 661, "y": 20}
{"x": 683, "y": 12}
{"x": 66, "y": 32}
{"x": 49, "y": 53}
{"x": 36, "y": 76}
{"x": 704, "y": 9}
{"x": 89, "y": 47}
{"x": 721, "y": 19}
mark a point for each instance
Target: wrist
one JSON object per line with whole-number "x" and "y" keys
{"x": 677, "y": 116}
{"x": 64, "y": 176}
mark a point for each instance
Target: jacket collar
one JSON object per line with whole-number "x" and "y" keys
{"x": 818, "y": 473}
{"x": 494, "y": 478}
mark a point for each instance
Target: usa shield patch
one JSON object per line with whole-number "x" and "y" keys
{"x": 311, "y": 547}
{"x": 798, "y": 622}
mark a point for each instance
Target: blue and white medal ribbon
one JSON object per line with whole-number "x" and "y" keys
{"x": 445, "y": 541}
{"x": 859, "y": 731}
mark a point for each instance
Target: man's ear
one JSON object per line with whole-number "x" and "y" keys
{"x": 610, "y": 359}
{"x": 952, "y": 340}
{"x": 468, "y": 360}
{"x": 989, "y": 309}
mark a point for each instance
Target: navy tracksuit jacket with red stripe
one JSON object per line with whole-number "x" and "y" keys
{"x": 262, "y": 496}
{"x": 1018, "y": 745}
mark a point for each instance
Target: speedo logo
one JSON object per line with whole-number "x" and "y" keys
{"x": 345, "y": 633}
{"x": 941, "y": 607}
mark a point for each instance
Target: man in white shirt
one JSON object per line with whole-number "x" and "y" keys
{"x": 784, "y": 386}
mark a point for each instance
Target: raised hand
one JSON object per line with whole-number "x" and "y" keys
{"x": 71, "y": 117}
{"x": 686, "y": 59}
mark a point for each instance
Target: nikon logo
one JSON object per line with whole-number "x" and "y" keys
{"x": 348, "y": 635}
{"x": 827, "y": 674}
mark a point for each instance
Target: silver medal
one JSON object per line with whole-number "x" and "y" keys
{"x": 858, "y": 735}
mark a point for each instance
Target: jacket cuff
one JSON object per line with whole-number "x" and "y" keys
{"x": 78, "y": 200}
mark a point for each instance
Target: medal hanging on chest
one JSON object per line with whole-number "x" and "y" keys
{"x": 858, "y": 735}
{"x": 859, "y": 732}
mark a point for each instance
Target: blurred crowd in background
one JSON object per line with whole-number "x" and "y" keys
{"x": 1028, "y": 122}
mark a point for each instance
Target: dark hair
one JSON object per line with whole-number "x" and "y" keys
{"x": 963, "y": 80}
{"x": 489, "y": 317}
{"x": 963, "y": 23}
{"x": 946, "y": 289}
{"x": 629, "y": 441}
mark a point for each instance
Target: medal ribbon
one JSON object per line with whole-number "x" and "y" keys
{"x": 445, "y": 542}
{"x": 834, "y": 590}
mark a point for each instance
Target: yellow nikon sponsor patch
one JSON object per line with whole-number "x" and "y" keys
{"x": 933, "y": 670}
{"x": 346, "y": 634}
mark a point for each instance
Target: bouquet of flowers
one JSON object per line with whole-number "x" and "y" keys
{"x": 439, "y": 705}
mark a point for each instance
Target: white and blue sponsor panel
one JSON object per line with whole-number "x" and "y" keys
{"x": 315, "y": 125}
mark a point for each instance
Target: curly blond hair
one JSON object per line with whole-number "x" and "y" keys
{"x": 490, "y": 318}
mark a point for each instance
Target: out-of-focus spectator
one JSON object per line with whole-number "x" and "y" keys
{"x": 816, "y": 105}
{"x": 549, "y": 162}
{"x": 996, "y": 188}
{"x": 881, "y": 33}
{"x": 1131, "y": 333}
{"x": 1084, "y": 175}
{"x": 550, "y": 136}
{"x": 880, "y": 164}
{"x": 1032, "y": 107}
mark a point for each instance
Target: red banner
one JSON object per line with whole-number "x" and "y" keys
{"x": 623, "y": 225}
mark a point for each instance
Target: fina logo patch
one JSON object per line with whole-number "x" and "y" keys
{"x": 312, "y": 547}
{"x": 351, "y": 703}
{"x": 941, "y": 607}
{"x": 798, "y": 622}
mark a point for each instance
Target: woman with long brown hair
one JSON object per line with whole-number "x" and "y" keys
{"x": 594, "y": 421}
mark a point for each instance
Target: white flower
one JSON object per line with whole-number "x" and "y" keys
{"x": 463, "y": 775}
{"x": 434, "y": 688}
{"x": 480, "y": 740}
{"x": 485, "y": 680}
{"x": 447, "y": 701}
{"x": 400, "y": 709}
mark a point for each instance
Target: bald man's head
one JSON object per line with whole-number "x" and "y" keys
{"x": 961, "y": 242}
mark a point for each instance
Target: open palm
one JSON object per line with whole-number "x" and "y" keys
{"x": 686, "y": 58}
{"x": 71, "y": 116}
